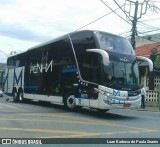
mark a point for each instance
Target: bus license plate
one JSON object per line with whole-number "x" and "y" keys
{"x": 126, "y": 105}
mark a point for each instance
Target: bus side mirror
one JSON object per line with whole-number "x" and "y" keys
{"x": 104, "y": 54}
{"x": 150, "y": 63}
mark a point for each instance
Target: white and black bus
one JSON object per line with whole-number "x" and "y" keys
{"x": 82, "y": 69}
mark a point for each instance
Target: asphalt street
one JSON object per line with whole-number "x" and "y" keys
{"x": 45, "y": 120}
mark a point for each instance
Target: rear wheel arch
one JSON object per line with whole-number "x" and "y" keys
{"x": 68, "y": 89}
{"x": 69, "y": 98}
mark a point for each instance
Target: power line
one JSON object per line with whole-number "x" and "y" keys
{"x": 149, "y": 36}
{"x": 152, "y": 30}
{"x": 150, "y": 19}
{"x": 139, "y": 10}
{"x": 148, "y": 39}
{"x": 122, "y": 10}
{"x": 124, "y": 33}
{"x": 144, "y": 33}
{"x": 112, "y": 11}
{"x": 147, "y": 26}
{"x": 151, "y": 40}
{"x": 4, "y": 53}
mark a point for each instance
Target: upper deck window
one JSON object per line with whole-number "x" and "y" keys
{"x": 114, "y": 43}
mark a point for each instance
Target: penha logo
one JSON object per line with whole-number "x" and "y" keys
{"x": 41, "y": 68}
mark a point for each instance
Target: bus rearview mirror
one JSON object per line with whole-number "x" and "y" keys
{"x": 104, "y": 54}
{"x": 150, "y": 63}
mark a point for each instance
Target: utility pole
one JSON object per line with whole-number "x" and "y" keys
{"x": 134, "y": 26}
{"x": 140, "y": 9}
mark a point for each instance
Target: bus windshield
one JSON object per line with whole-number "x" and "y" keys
{"x": 121, "y": 75}
{"x": 114, "y": 43}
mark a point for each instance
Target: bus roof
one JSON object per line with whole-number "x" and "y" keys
{"x": 62, "y": 37}
{"x": 59, "y": 38}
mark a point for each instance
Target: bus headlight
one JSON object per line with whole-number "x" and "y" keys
{"x": 108, "y": 94}
{"x": 108, "y": 98}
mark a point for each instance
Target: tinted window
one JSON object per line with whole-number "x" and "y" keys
{"x": 88, "y": 62}
{"x": 82, "y": 41}
{"x": 17, "y": 60}
{"x": 121, "y": 74}
{"x": 90, "y": 67}
{"x": 114, "y": 43}
{"x": 60, "y": 50}
{"x": 51, "y": 58}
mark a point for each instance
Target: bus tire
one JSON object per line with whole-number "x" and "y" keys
{"x": 69, "y": 101}
{"x": 20, "y": 96}
{"x": 15, "y": 96}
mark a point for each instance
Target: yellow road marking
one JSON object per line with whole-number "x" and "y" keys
{"x": 46, "y": 115}
{"x": 62, "y": 121}
{"x": 23, "y": 110}
{"x": 100, "y": 133}
{"x": 74, "y": 133}
{"x": 89, "y": 121}
{"x": 10, "y": 109}
{"x": 125, "y": 132}
{"x": 113, "y": 124}
{"x": 138, "y": 130}
{"x": 70, "y": 133}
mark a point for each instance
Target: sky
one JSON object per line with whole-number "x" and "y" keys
{"x": 27, "y": 23}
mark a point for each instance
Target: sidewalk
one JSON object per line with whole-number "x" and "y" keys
{"x": 152, "y": 109}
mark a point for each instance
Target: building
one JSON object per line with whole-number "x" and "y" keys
{"x": 2, "y": 70}
{"x": 148, "y": 46}
{"x": 151, "y": 81}
{"x": 149, "y": 50}
{"x": 148, "y": 39}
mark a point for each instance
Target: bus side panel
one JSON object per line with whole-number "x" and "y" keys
{"x": 35, "y": 97}
{"x": 52, "y": 99}
{"x": 13, "y": 78}
{"x": 82, "y": 102}
{"x": 18, "y": 77}
{"x": 94, "y": 103}
{"x": 10, "y": 81}
{"x": 50, "y": 72}
{"x": 5, "y": 82}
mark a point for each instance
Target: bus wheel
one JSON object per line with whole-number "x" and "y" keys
{"x": 20, "y": 96}
{"x": 15, "y": 98}
{"x": 69, "y": 101}
{"x": 103, "y": 110}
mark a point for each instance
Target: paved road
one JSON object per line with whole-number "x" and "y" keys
{"x": 36, "y": 120}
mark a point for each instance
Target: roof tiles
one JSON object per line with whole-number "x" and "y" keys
{"x": 146, "y": 49}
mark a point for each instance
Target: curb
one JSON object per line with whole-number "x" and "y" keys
{"x": 148, "y": 109}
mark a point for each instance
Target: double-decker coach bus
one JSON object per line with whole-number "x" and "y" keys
{"x": 82, "y": 69}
